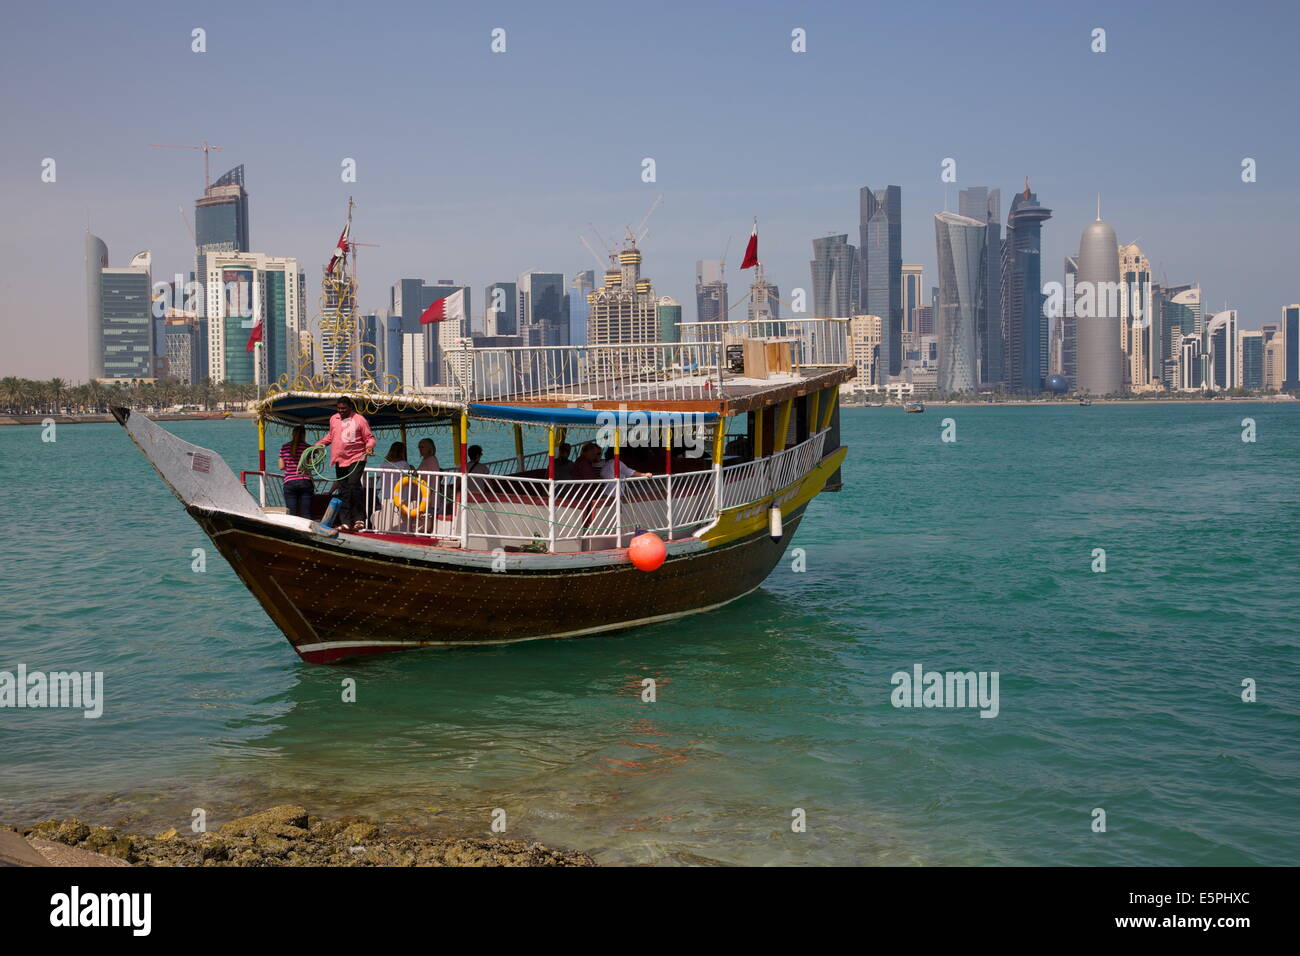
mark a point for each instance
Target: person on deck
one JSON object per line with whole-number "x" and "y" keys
{"x": 624, "y": 469}
{"x": 298, "y": 488}
{"x": 473, "y": 465}
{"x": 395, "y": 460}
{"x": 563, "y": 466}
{"x": 586, "y": 468}
{"x": 350, "y": 442}
{"x": 428, "y": 456}
{"x": 443, "y": 489}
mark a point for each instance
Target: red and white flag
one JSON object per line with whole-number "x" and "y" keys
{"x": 340, "y": 251}
{"x": 254, "y": 336}
{"x": 448, "y": 307}
{"x": 751, "y": 250}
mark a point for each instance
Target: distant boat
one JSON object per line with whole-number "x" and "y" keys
{"x": 1085, "y": 401}
{"x": 913, "y": 407}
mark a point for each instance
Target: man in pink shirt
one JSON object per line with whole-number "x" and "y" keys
{"x": 350, "y": 441}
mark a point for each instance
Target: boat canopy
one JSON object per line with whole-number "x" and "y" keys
{"x": 383, "y": 411}
{"x": 576, "y": 417}
{"x": 389, "y": 411}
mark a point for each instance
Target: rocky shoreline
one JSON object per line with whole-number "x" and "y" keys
{"x": 281, "y": 836}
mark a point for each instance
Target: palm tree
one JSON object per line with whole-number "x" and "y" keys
{"x": 57, "y": 387}
{"x": 11, "y": 390}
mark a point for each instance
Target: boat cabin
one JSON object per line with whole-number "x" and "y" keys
{"x": 683, "y": 434}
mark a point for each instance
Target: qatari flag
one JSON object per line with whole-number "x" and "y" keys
{"x": 448, "y": 307}
{"x": 340, "y": 251}
{"x": 254, "y": 336}
{"x": 751, "y": 250}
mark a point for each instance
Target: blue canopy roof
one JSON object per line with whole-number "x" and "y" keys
{"x": 533, "y": 415}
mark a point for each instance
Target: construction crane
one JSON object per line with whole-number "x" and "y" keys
{"x": 186, "y": 219}
{"x": 641, "y": 231}
{"x": 599, "y": 264}
{"x": 204, "y": 146}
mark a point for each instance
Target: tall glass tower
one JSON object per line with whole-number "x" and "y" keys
{"x": 834, "y": 278}
{"x": 220, "y": 222}
{"x": 880, "y": 277}
{"x": 1024, "y": 324}
{"x": 959, "y": 241}
{"x": 980, "y": 202}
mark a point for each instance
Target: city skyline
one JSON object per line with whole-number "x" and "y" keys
{"x": 482, "y": 217}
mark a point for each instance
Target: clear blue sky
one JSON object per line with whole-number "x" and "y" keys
{"x": 475, "y": 166}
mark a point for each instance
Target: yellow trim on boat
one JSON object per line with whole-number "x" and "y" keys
{"x": 744, "y": 520}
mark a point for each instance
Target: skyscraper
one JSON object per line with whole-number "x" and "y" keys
{"x": 500, "y": 309}
{"x": 880, "y": 275}
{"x": 984, "y": 204}
{"x": 182, "y": 344}
{"x": 1223, "y": 365}
{"x": 959, "y": 241}
{"x": 913, "y": 290}
{"x": 624, "y": 309}
{"x": 834, "y": 277}
{"x": 1250, "y": 358}
{"x": 668, "y": 313}
{"x": 1136, "y": 319}
{"x": 220, "y": 222}
{"x": 1101, "y": 360}
{"x": 710, "y": 291}
{"x": 1189, "y": 363}
{"x": 1070, "y": 324}
{"x": 96, "y": 260}
{"x": 119, "y": 314}
{"x": 864, "y": 350}
{"x": 1290, "y": 347}
{"x": 581, "y": 287}
{"x": 764, "y": 304}
{"x": 543, "y": 309}
{"x": 242, "y": 290}
{"x": 1023, "y": 322}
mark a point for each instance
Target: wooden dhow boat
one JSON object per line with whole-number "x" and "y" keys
{"x": 728, "y": 464}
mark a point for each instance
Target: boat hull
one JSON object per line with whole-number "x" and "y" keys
{"x": 333, "y": 603}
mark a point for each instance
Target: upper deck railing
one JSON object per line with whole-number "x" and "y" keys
{"x": 698, "y": 367}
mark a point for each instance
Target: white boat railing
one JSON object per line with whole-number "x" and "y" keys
{"x": 695, "y": 368}
{"x": 486, "y": 511}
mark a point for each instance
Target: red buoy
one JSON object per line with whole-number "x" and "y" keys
{"x": 647, "y": 551}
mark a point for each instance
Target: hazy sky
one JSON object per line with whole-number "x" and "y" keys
{"x": 475, "y": 166}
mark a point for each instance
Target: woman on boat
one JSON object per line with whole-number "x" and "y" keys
{"x": 298, "y": 488}
{"x": 351, "y": 442}
{"x": 474, "y": 465}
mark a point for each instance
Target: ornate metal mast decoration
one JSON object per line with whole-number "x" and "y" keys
{"x": 332, "y": 353}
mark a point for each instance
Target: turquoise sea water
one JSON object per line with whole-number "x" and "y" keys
{"x": 1118, "y": 690}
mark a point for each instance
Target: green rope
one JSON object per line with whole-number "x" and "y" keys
{"x": 312, "y": 462}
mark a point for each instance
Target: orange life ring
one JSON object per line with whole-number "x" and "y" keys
{"x": 411, "y": 510}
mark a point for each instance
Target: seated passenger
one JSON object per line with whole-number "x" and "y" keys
{"x": 473, "y": 455}
{"x": 428, "y": 456}
{"x": 586, "y": 467}
{"x": 395, "y": 460}
{"x": 624, "y": 469}
{"x": 563, "y": 466}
